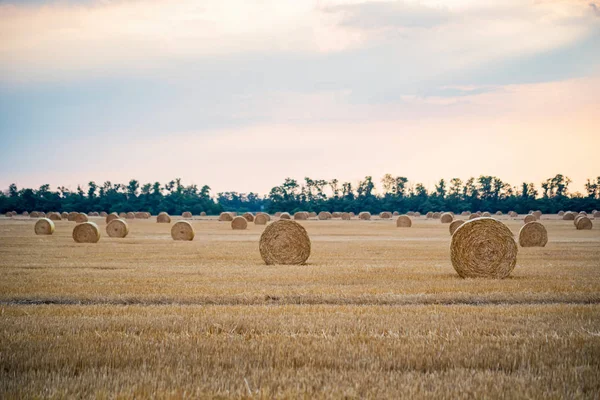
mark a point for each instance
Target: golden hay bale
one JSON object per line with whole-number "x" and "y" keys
{"x": 54, "y": 216}
{"x": 103, "y": 214}
{"x": 86, "y": 232}
{"x": 446, "y": 218}
{"x": 513, "y": 214}
{"x": 123, "y": 215}
{"x": 111, "y": 216}
{"x": 346, "y": 216}
{"x": 465, "y": 213}
{"x": 483, "y": 248}
{"x": 300, "y": 215}
{"x": 576, "y": 219}
{"x": 583, "y": 223}
{"x": 44, "y": 226}
{"x": 412, "y": 214}
{"x": 352, "y": 214}
{"x": 186, "y": 214}
{"x": 336, "y": 214}
{"x": 203, "y": 214}
{"x": 395, "y": 214}
{"x": 596, "y": 214}
{"x": 583, "y": 213}
{"x": 417, "y": 214}
{"x": 529, "y": 218}
{"x": 437, "y": 215}
{"x": 486, "y": 214}
{"x": 538, "y": 214}
{"x": 25, "y": 214}
{"x": 163, "y": 218}
{"x": 225, "y": 217}
{"x": 285, "y": 215}
{"x": 498, "y": 212}
{"x": 261, "y": 219}
{"x": 473, "y": 216}
{"x": 385, "y": 215}
{"x": 72, "y": 216}
{"x": 130, "y": 215}
{"x": 267, "y": 216}
{"x": 239, "y": 223}
{"x": 140, "y": 215}
{"x": 312, "y": 214}
{"x": 454, "y": 225}
{"x": 148, "y": 215}
{"x": 278, "y": 214}
{"x": 81, "y": 217}
{"x": 364, "y": 215}
{"x": 117, "y": 228}
{"x": 249, "y": 216}
{"x": 429, "y": 215}
{"x": 478, "y": 213}
{"x": 34, "y": 214}
{"x": 403, "y": 221}
{"x": 284, "y": 242}
{"x": 183, "y": 230}
{"x": 64, "y": 215}
{"x": 568, "y": 216}
{"x": 533, "y": 234}
{"x": 324, "y": 215}
{"x": 42, "y": 214}
{"x": 561, "y": 213}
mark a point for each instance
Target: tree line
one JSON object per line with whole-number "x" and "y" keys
{"x": 485, "y": 193}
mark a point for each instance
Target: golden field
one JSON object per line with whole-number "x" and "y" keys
{"x": 378, "y": 312}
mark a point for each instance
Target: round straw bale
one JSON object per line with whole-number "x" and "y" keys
{"x": 561, "y": 213}
{"x": 284, "y": 242}
{"x": 412, "y": 213}
{"x": 312, "y": 215}
{"x": 261, "y": 219}
{"x": 123, "y": 215}
{"x": 130, "y": 215}
{"x": 454, "y": 225}
{"x": 417, "y": 214}
{"x": 186, "y": 214}
{"x": 446, "y": 218}
{"x": 324, "y": 215}
{"x": 72, "y": 216}
{"x": 81, "y": 217}
{"x": 498, "y": 212}
{"x": 483, "y": 247}
{"x": 249, "y": 216}
{"x": 364, "y": 215}
{"x": 54, "y": 216}
{"x": 300, "y": 215}
{"x": 183, "y": 230}
{"x": 385, "y": 215}
{"x": 583, "y": 223}
{"x": 203, "y": 214}
{"x": 278, "y": 214}
{"x": 533, "y": 234}
{"x": 346, "y": 216}
{"x": 486, "y": 214}
{"x": 86, "y": 232}
{"x": 25, "y": 214}
{"x": 529, "y": 218}
{"x": 64, "y": 215}
{"x": 267, "y": 216}
{"x": 111, "y": 216}
{"x": 42, "y": 214}
{"x": 239, "y": 223}
{"x": 576, "y": 219}
{"x": 437, "y": 215}
{"x": 465, "y": 213}
{"x": 583, "y": 213}
{"x": 148, "y": 215}
{"x": 226, "y": 217}
{"x": 403, "y": 221}
{"x": 395, "y": 213}
{"x": 336, "y": 214}
{"x": 596, "y": 214}
{"x": 285, "y": 215}
{"x": 569, "y": 216}
{"x": 34, "y": 214}
{"x": 538, "y": 214}
{"x": 163, "y": 218}
{"x": 429, "y": 215}
{"x": 103, "y": 214}
{"x": 117, "y": 228}
{"x": 44, "y": 226}
{"x": 479, "y": 213}
{"x": 473, "y": 216}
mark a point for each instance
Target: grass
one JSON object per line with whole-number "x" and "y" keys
{"x": 378, "y": 312}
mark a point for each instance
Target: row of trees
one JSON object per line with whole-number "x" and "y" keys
{"x": 397, "y": 194}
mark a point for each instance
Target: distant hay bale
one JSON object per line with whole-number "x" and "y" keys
{"x": 54, "y": 216}
{"x": 44, "y": 226}
{"x": 364, "y": 215}
{"x": 312, "y": 215}
{"x": 103, "y": 214}
{"x": 183, "y": 230}
{"x": 385, "y": 215}
{"x": 324, "y": 215}
{"x": 81, "y": 218}
{"x": 163, "y": 218}
{"x": 498, "y": 212}
{"x": 261, "y": 219}
{"x": 140, "y": 215}
{"x": 267, "y": 216}
{"x": 285, "y": 243}
{"x": 148, "y": 215}
{"x": 186, "y": 214}
{"x": 352, "y": 214}
{"x": 130, "y": 215}
{"x": 403, "y": 221}
{"x": 538, "y": 214}
{"x": 123, "y": 215}
{"x": 483, "y": 248}
{"x": 226, "y": 217}
{"x": 454, "y": 225}
{"x": 513, "y": 214}
{"x": 465, "y": 213}
{"x": 117, "y": 228}
{"x": 346, "y": 216}
{"x": 446, "y": 218}
{"x": 300, "y": 215}
{"x": 285, "y": 215}
{"x": 72, "y": 216}
{"x": 479, "y": 214}
{"x": 25, "y": 214}
{"x": 568, "y": 216}
{"x": 429, "y": 215}
{"x": 486, "y": 214}
{"x": 203, "y": 214}
{"x": 473, "y": 216}
{"x": 249, "y": 217}
{"x": 395, "y": 213}
{"x": 596, "y": 214}
{"x": 42, "y": 214}
{"x": 412, "y": 214}
{"x": 561, "y": 213}
{"x": 583, "y": 223}
{"x": 34, "y": 214}
{"x": 278, "y": 214}
{"x": 583, "y": 213}
{"x": 577, "y": 219}
{"x": 417, "y": 214}
{"x": 336, "y": 214}
{"x": 533, "y": 234}
{"x": 110, "y": 217}
{"x": 529, "y": 218}
{"x": 86, "y": 232}
{"x": 239, "y": 223}
{"x": 437, "y": 215}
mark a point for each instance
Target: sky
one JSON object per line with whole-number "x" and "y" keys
{"x": 239, "y": 95}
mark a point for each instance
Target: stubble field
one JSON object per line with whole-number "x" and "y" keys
{"x": 377, "y": 312}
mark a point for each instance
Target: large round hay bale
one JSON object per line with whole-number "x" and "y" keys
{"x": 364, "y": 215}
{"x": 385, "y": 215}
{"x": 324, "y": 215}
{"x": 203, "y": 214}
{"x": 533, "y": 234}
{"x": 44, "y": 226}
{"x": 249, "y": 216}
{"x": 454, "y": 225}
{"x": 72, "y": 216}
{"x": 583, "y": 223}
{"x": 261, "y": 219}
{"x": 86, "y": 232}
{"x": 183, "y": 230}
{"x": 561, "y": 213}
{"x": 300, "y": 215}
{"x": 103, "y": 214}
{"x": 529, "y": 218}
{"x": 537, "y": 214}
{"x": 336, "y": 214}
{"x": 403, "y": 221}
{"x": 473, "y": 216}
{"x": 239, "y": 223}
{"x": 483, "y": 248}
{"x": 111, "y": 217}
{"x": 577, "y": 219}
{"x": 446, "y": 218}
{"x": 225, "y": 217}
{"x": 117, "y": 228}
{"x": 34, "y": 214}
{"x": 54, "y": 216}
{"x": 81, "y": 218}
{"x": 284, "y": 242}
{"x": 186, "y": 214}
{"x": 285, "y": 215}
{"x": 465, "y": 213}
{"x": 346, "y": 216}
{"x": 163, "y": 218}
{"x": 486, "y": 214}
{"x": 569, "y": 216}
{"x": 479, "y": 214}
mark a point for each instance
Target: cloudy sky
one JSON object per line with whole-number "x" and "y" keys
{"x": 241, "y": 94}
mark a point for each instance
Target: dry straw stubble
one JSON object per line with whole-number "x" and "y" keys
{"x": 86, "y": 232}
{"x": 182, "y": 230}
{"x": 284, "y": 242}
{"x": 44, "y": 226}
{"x": 533, "y": 234}
{"x": 117, "y": 228}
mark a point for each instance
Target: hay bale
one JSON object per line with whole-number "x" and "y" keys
{"x": 72, "y": 216}
{"x": 86, "y": 232}
{"x": 417, "y": 214}
{"x": 561, "y": 213}
{"x": 576, "y": 219}
{"x": 267, "y": 216}
{"x": 130, "y": 215}
{"x": 346, "y": 216}
{"x": 117, "y": 228}
{"x": 163, "y": 218}
{"x": 403, "y": 221}
{"x": 186, "y": 214}
{"x": 239, "y": 223}
{"x": 483, "y": 248}
{"x": 261, "y": 219}
{"x": 385, "y": 215}
{"x": 498, "y": 212}
{"x": 568, "y": 216}
{"x": 583, "y": 223}
{"x": 44, "y": 226}
{"x": 324, "y": 215}
{"x": 34, "y": 214}
{"x": 301, "y": 215}
{"x": 336, "y": 214}
{"x": 352, "y": 214}
{"x": 278, "y": 214}
{"x": 203, "y": 214}
{"x": 81, "y": 218}
{"x": 486, "y": 214}
{"x": 111, "y": 217}
{"x": 312, "y": 215}
{"x": 225, "y": 217}
{"x": 103, "y": 214}
{"x": 473, "y": 216}
{"x": 54, "y": 216}
{"x": 478, "y": 213}
{"x": 583, "y": 213}
{"x": 529, "y": 218}
{"x": 25, "y": 214}
{"x": 364, "y": 215}
{"x": 284, "y": 242}
{"x": 249, "y": 216}
{"x": 285, "y": 215}
{"x": 446, "y": 218}
{"x": 537, "y": 214}
{"x": 513, "y": 214}
{"x": 395, "y": 213}
{"x": 596, "y": 214}
{"x": 454, "y": 225}
{"x": 94, "y": 214}
{"x": 412, "y": 214}
{"x": 183, "y": 230}
{"x": 465, "y": 213}
{"x": 123, "y": 215}
{"x": 42, "y": 214}
{"x": 437, "y": 215}
{"x": 533, "y": 234}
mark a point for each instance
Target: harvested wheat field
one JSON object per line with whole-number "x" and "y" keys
{"x": 376, "y": 312}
